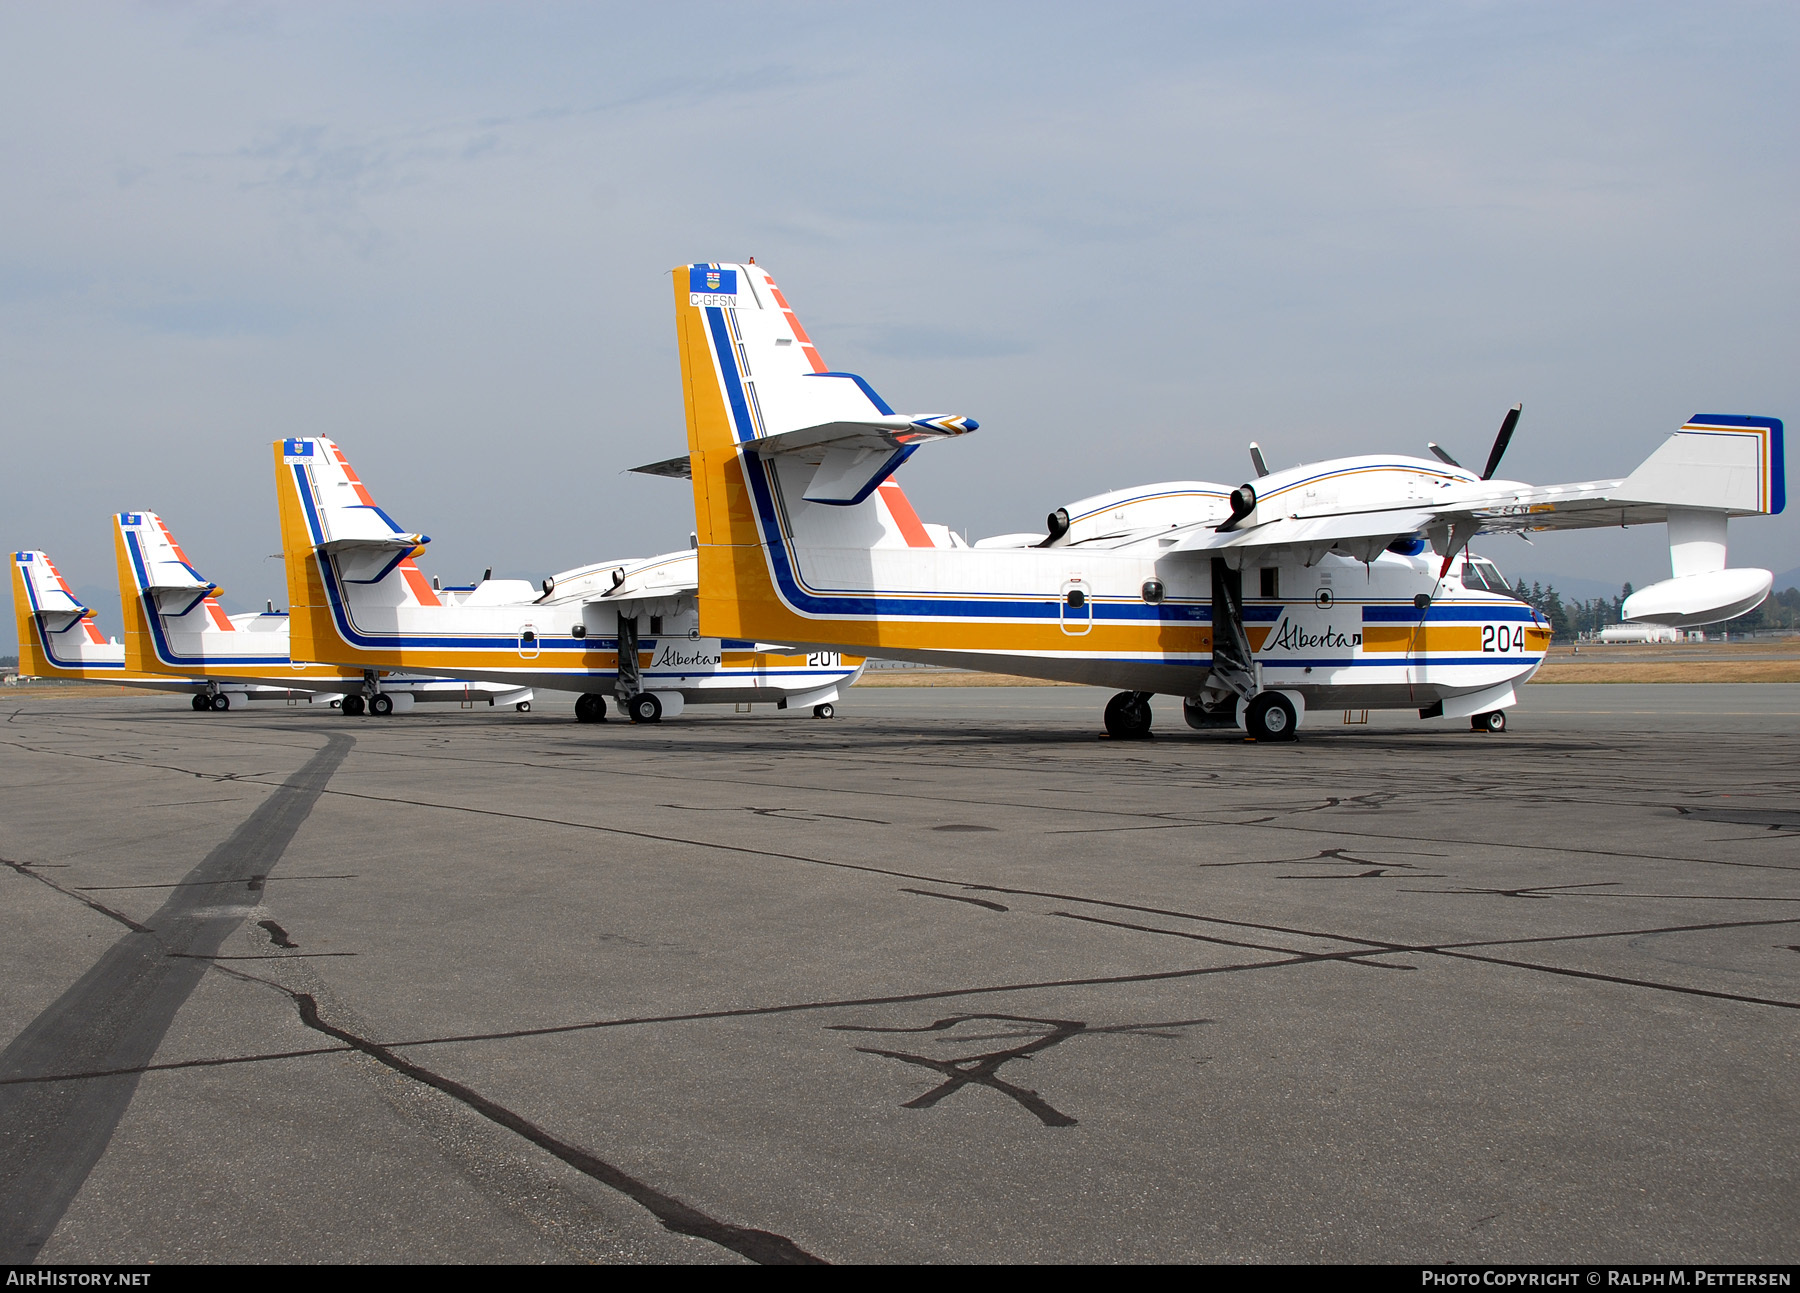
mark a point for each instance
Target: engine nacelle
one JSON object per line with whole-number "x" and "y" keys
{"x": 1693, "y": 600}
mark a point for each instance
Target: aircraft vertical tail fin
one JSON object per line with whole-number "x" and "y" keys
{"x": 340, "y": 550}
{"x": 57, "y": 633}
{"x": 158, "y": 582}
{"x": 783, "y": 451}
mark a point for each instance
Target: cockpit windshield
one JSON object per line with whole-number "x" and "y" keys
{"x": 1478, "y": 572}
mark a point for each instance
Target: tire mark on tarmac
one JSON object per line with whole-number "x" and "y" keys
{"x": 115, "y": 1017}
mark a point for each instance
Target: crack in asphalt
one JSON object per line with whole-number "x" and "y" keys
{"x": 763, "y": 1247}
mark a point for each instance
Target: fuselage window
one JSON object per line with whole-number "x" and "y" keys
{"x": 1271, "y": 581}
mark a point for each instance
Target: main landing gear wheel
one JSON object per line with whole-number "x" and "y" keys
{"x": 381, "y": 705}
{"x": 1128, "y": 716}
{"x": 824, "y": 711}
{"x": 201, "y": 702}
{"x": 590, "y": 708}
{"x": 1492, "y": 721}
{"x": 353, "y": 705}
{"x": 1270, "y": 717}
{"x": 524, "y": 707}
{"x": 645, "y": 708}
{"x": 221, "y": 703}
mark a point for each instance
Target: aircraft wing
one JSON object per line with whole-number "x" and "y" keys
{"x": 1726, "y": 466}
{"x": 1372, "y": 529}
{"x": 660, "y": 577}
{"x": 1583, "y": 505}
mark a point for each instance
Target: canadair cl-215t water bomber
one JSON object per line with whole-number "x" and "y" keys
{"x": 1341, "y": 584}
{"x": 175, "y": 625}
{"x": 58, "y": 638}
{"x": 622, "y": 628}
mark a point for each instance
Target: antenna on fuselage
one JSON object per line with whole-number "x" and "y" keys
{"x": 1256, "y": 460}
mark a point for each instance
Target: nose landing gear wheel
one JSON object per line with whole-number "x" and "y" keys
{"x": 645, "y": 708}
{"x": 590, "y": 708}
{"x": 1128, "y": 716}
{"x": 1493, "y": 721}
{"x": 353, "y": 705}
{"x": 381, "y": 706}
{"x": 221, "y": 703}
{"x": 824, "y": 711}
{"x": 1271, "y": 718}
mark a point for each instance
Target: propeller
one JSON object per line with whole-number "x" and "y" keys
{"x": 1441, "y": 454}
{"x": 1256, "y": 460}
{"x": 1502, "y": 440}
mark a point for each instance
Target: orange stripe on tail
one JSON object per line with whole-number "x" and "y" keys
{"x": 350, "y": 475}
{"x": 812, "y": 351}
{"x": 901, "y": 509}
{"x": 421, "y": 588}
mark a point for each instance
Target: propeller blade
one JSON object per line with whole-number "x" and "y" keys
{"x": 1442, "y": 455}
{"x": 1502, "y": 440}
{"x": 1256, "y": 459}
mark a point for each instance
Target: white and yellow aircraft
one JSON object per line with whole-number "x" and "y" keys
{"x": 59, "y": 639}
{"x": 625, "y": 628}
{"x": 1305, "y": 588}
{"x": 174, "y": 625}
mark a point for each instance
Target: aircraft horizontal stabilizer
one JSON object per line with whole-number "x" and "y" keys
{"x": 387, "y": 541}
{"x": 854, "y": 457}
{"x": 885, "y": 433}
{"x": 681, "y": 468}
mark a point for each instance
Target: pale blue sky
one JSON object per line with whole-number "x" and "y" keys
{"x": 1127, "y": 238}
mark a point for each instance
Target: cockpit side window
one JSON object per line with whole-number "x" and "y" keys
{"x": 1480, "y": 573}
